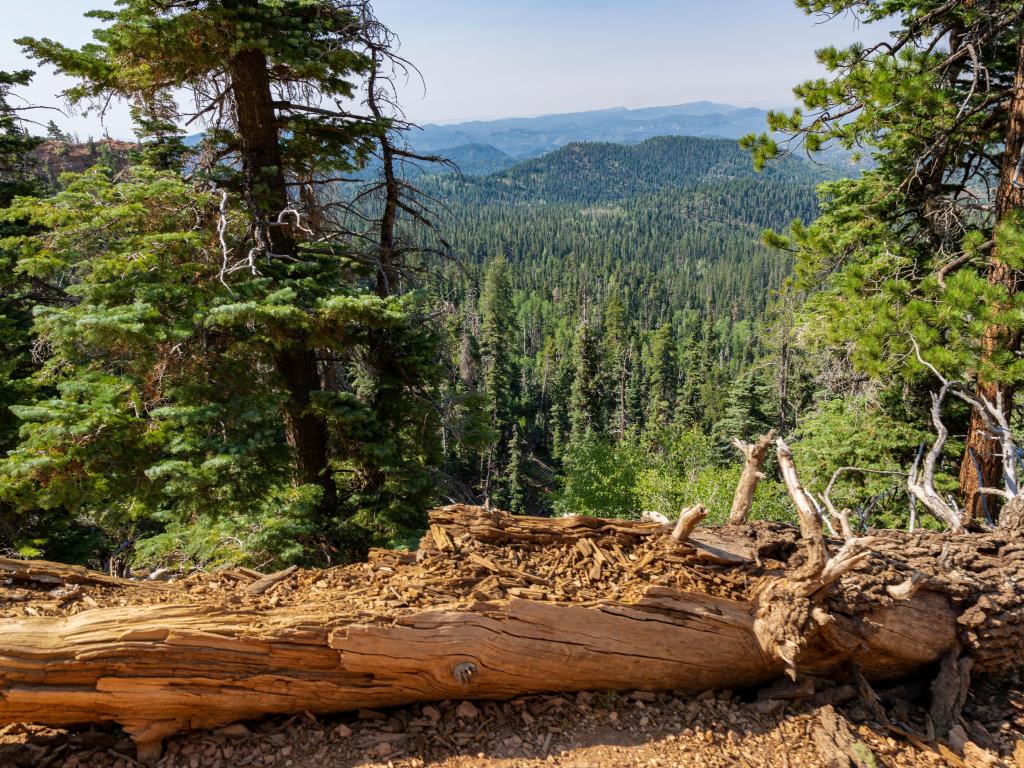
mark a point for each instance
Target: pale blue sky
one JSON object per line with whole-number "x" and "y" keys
{"x": 501, "y": 58}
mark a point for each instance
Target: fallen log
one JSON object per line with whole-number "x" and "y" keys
{"x": 502, "y": 606}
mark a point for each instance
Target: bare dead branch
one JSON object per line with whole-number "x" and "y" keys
{"x": 753, "y": 464}
{"x": 688, "y": 521}
{"x": 810, "y": 520}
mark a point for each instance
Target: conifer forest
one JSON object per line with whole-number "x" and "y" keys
{"x": 770, "y": 378}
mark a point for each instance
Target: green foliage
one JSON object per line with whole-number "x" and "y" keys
{"x": 748, "y": 413}
{"x": 600, "y": 479}
{"x": 275, "y": 530}
{"x": 226, "y": 368}
{"x": 627, "y": 303}
{"x": 688, "y": 471}
{"x": 858, "y": 433}
{"x": 148, "y": 432}
{"x": 589, "y": 173}
{"x": 496, "y": 312}
{"x": 137, "y": 427}
{"x": 920, "y": 249}
{"x": 904, "y": 249}
{"x": 18, "y": 177}
{"x": 662, "y": 471}
{"x": 882, "y": 293}
{"x": 662, "y": 376}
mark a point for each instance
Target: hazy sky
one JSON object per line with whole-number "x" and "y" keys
{"x": 500, "y": 58}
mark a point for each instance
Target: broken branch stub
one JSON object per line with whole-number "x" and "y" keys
{"x": 843, "y": 516}
{"x": 810, "y": 520}
{"x": 687, "y": 523}
{"x": 851, "y": 555}
{"x": 753, "y": 466}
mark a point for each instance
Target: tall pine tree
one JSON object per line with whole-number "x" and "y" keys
{"x": 926, "y": 244}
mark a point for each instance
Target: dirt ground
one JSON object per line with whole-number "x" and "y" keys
{"x": 787, "y": 726}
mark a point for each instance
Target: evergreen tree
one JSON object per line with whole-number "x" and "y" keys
{"x": 514, "y": 482}
{"x": 499, "y": 377}
{"x": 585, "y": 395}
{"x": 347, "y": 366}
{"x": 257, "y": 53}
{"x": 54, "y": 133}
{"x": 746, "y": 412}
{"x": 18, "y": 177}
{"x": 616, "y": 358}
{"x": 662, "y": 378}
{"x": 926, "y": 244}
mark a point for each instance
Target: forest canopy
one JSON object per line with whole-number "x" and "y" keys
{"x": 284, "y": 343}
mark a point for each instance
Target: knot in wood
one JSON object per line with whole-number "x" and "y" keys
{"x": 464, "y": 672}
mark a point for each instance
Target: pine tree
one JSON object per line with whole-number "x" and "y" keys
{"x": 348, "y": 366}
{"x": 586, "y": 392}
{"x": 499, "y": 375}
{"x": 662, "y": 377}
{"x": 616, "y": 356}
{"x": 925, "y": 244}
{"x": 265, "y": 56}
{"x": 514, "y": 482}
{"x": 18, "y": 177}
{"x": 746, "y": 412}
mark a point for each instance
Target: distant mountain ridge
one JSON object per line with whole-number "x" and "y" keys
{"x": 596, "y": 171}
{"x": 586, "y": 173}
{"x": 524, "y": 137}
{"x": 477, "y": 159}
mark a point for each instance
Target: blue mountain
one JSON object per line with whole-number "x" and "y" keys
{"x": 522, "y": 137}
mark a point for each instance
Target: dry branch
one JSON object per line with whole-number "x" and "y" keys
{"x": 44, "y": 572}
{"x": 810, "y": 519}
{"x": 921, "y": 482}
{"x": 753, "y": 465}
{"x": 688, "y": 521}
{"x": 262, "y": 585}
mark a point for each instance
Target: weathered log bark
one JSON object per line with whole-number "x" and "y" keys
{"x": 194, "y": 663}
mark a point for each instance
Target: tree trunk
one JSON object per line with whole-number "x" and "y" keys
{"x": 306, "y": 433}
{"x": 981, "y": 465}
{"x": 267, "y": 196}
{"x": 525, "y": 605}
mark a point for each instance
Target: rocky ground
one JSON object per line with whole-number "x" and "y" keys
{"x": 803, "y": 725}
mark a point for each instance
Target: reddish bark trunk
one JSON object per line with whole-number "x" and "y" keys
{"x": 981, "y": 464}
{"x": 265, "y": 183}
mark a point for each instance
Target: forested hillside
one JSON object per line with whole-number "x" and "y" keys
{"x": 593, "y": 172}
{"x": 531, "y": 136}
{"x": 672, "y": 413}
{"x": 284, "y": 344}
{"x": 610, "y": 305}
